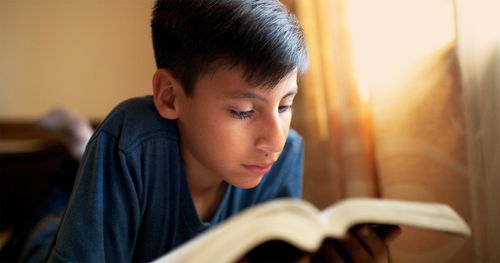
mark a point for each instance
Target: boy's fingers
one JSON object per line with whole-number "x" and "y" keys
{"x": 363, "y": 244}
{"x": 329, "y": 252}
{"x": 373, "y": 244}
{"x": 352, "y": 250}
{"x": 392, "y": 234}
{"x": 386, "y": 232}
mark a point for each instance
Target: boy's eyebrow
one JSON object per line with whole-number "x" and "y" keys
{"x": 255, "y": 95}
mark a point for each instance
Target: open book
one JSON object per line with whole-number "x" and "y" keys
{"x": 300, "y": 224}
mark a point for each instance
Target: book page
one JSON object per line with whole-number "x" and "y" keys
{"x": 302, "y": 225}
{"x": 294, "y": 221}
{"x": 439, "y": 217}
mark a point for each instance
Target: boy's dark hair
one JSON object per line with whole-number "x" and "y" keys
{"x": 192, "y": 37}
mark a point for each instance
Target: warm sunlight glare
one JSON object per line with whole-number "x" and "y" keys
{"x": 480, "y": 21}
{"x": 389, "y": 37}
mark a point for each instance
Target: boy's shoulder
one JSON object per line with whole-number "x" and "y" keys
{"x": 137, "y": 119}
{"x": 294, "y": 137}
{"x": 294, "y": 142}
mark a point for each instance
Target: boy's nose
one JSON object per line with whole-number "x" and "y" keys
{"x": 271, "y": 135}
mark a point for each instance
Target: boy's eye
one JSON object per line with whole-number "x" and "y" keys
{"x": 286, "y": 108}
{"x": 242, "y": 115}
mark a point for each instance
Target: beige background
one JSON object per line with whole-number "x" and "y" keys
{"x": 87, "y": 55}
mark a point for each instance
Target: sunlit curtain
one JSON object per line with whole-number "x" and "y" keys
{"x": 479, "y": 56}
{"x": 381, "y": 110}
{"x": 330, "y": 112}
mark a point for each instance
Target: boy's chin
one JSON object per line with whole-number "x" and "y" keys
{"x": 249, "y": 184}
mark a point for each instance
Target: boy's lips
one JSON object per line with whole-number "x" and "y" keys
{"x": 260, "y": 168}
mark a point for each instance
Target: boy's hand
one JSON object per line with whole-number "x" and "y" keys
{"x": 363, "y": 244}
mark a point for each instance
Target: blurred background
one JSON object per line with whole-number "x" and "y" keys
{"x": 401, "y": 100}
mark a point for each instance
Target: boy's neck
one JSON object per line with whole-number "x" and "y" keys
{"x": 206, "y": 188}
{"x": 206, "y": 200}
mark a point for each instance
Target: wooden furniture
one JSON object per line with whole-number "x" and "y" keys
{"x": 29, "y": 156}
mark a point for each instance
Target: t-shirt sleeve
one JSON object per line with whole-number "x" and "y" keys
{"x": 103, "y": 215}
{"x": 294, "y": 167}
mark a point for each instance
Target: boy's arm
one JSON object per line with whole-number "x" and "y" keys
{"x": 103, "y": 214}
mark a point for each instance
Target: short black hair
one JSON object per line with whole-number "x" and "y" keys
{"x": 191, "y": 37}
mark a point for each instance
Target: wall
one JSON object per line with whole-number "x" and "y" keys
{"x": 86, "y": 55}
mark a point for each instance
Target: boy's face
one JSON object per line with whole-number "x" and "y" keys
{"x": 231, "y": 131}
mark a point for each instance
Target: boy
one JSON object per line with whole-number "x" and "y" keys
{"x": 160, "y": 170}
{"x": 213, "y": 139}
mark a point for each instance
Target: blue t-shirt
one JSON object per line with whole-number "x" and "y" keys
{"x": 131, "y": 200}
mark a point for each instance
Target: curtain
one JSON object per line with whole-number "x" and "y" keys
{"x": 382, "y": 112}
{"x": 478, "y": 45}
{"x": 329, "y": 112}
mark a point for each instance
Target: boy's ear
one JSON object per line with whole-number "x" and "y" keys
{"x": 165, "y": 93}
